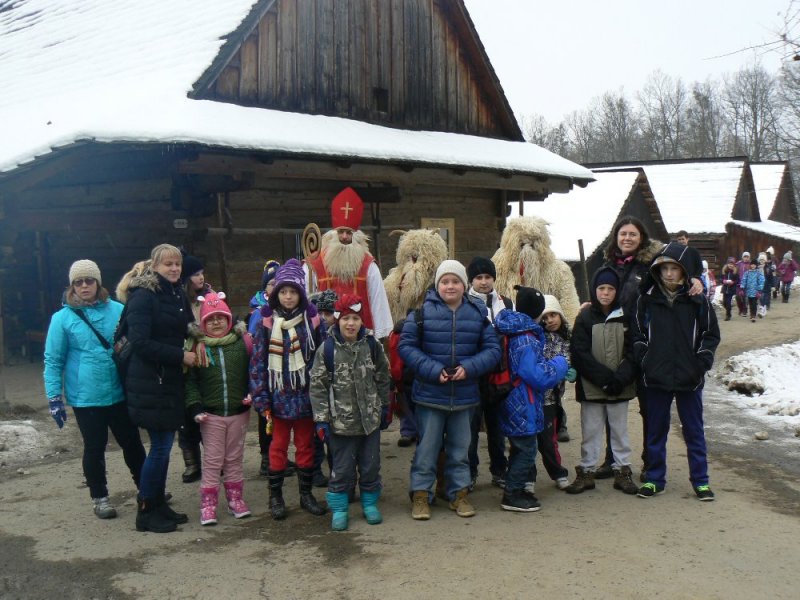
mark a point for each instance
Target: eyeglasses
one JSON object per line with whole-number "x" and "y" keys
{"x": 84, "y": 281}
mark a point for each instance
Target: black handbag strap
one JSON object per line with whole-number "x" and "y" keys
{"x": 82, "y": 316}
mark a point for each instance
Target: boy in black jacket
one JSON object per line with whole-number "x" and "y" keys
{"x": 675, "y": 336}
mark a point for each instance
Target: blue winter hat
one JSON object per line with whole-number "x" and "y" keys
{"x": 270, "y": 269}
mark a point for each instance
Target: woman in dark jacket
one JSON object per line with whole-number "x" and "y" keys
{"x": 156, "y": 321}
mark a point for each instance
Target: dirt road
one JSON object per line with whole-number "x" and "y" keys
{"x": 600, "y": 544}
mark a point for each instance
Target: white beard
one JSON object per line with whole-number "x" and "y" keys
{"x": 344, "y": 261}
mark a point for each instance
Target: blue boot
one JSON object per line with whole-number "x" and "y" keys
{"x": 339, "y": 505}
{"x": 369, "y": 503}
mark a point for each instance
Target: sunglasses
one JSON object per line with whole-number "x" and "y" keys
{"x": 84, "y": 281}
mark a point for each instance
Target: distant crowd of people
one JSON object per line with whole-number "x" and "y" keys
{"x": 324, "y": 367}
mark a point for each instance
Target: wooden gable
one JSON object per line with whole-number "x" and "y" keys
{"x": 412, "y": 64}
{"x": 785, "y": 208}
{"x": 745, "y": 205}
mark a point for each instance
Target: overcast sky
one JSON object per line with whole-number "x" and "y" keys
{"x": 554, "y": 56}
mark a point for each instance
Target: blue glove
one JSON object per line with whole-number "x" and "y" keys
{"x": 386, "y": 418}
{"x": 323, "y": 431}
{"x": 572, "y": 375}
{"x": 57, "y": 410}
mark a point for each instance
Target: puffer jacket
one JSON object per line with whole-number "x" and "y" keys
{"x": 752, "y": 282}
{"x": 76, "y": 362}
{"x": 158, "y": 315}
{"x": 601, "y": 350}
{"x": 221, "y": 387}
{"x": 449, "y": 338}
{"x": 521, "y": 413}
{"x": 360, "y": 386}
{"x": 673, "y": 344}
{"x": 787, "y": 269}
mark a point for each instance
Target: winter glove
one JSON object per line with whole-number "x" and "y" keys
{"x": 572, "y": 375}
{"x": 57, "y": 410}
{"x": 614, "y": 388}
{"x": 323, "y": 431}
{"x": 386, "y": 418}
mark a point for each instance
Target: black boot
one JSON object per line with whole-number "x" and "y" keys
{"x": 166, "y": 511}
{"x": 305, "y": 478}
{"x": 264, "y": 468}
{"x": 191, "y": 458}
{"x": 277, "y": 507}
{"x": 148, "y": 518}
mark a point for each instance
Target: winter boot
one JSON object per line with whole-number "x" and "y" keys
{"x": 584, "y": 480}
{"x": 191, "y": 458}
{"x": 604, "y": 471}
{"x": 339, "y": 505}
{"x": 167, "y": 512}
{"x": 420, "y": 509}
{"x": 369, "y": 504}
{"x": 461, "y": 504}
{"x": 277, "y": 507}
{"x": 149, "y": 519}
{"x": 103, "y": 508}
{"x": 320, "y": 481}
{"x": 263, "y": 470}
{"x": 305, "y": 479}
{"x": 208, "y": 505}
{"x": 236, "y": 504}
{"x": 623, "y": 480}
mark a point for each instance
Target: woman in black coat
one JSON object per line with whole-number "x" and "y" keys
{"x": 157, "y": 316}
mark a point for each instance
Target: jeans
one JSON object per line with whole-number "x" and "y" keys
{"x": 351, "y": 452}
{"x": 690, "y": 412}
{"x": 94, "y": 423}
{"x": 436, "y": 426}
{"x": 521, "y": 462}
{"x": 156, "y": 465}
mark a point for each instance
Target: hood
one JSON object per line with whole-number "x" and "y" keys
{"x": 605, "y": 272}
{"x": 149, "y": 280}
{"x": 672, "y": 252}
{"x": 646, "y": 253}
{"x": 511, "y": 322}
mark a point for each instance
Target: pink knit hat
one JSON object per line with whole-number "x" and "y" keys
{"x": 213, "y": 303}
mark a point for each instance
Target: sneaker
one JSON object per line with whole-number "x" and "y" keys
{"x": 405, "y": 441}
{"x": 499, "y": 481}
{"x": 520, "y": 501}
{"x": 420, "y": 509}
{"x": 704, "y": 493}
{"x": 461, "y": 505}
{"x": 649, "y": 489}
{"x": 562, "y": 483}
{"x": 530, "y": 487}
{"x": 103, "y": 508}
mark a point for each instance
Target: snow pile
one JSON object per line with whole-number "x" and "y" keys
{"x": 766, "y": 381}
{"x": 19, "y": 439}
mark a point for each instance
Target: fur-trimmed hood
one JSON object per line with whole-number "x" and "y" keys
{"x": 148, "y": 280}
{"x": 645, "y": 255}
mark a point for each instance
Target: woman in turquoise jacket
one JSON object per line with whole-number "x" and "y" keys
{"x": 79, "y": 371}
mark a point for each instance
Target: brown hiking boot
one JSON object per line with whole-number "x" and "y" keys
{"x": 584, "y": 480}
{"x": 420, "y": 509}
{"x": 461, "y": 505}
{"x": 623, "y": 480}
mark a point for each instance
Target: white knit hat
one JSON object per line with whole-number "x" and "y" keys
{"x": 552, "y": 305}
{"x": 451, "y": 267}
{"x": 85, "y": 268}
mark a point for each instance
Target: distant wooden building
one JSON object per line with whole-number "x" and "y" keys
{"x": 231, "y": 125}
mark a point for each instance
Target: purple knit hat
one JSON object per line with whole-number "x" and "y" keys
{"x": 290, "y": 273}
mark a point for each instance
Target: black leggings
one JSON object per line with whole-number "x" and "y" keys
{"x": 94, "y": 423}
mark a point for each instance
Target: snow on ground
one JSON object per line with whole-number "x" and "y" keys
{"x": 19, "y": 442}
{"x": 768, "y": 381}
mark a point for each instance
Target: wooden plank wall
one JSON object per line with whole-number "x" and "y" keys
{"x": 329, "y": 57}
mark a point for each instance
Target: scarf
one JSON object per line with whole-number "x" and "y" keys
{"x": 492, "y": 300}
{"x": 622, "y": 259}
{"x": 670, "y": 290}
{"x": 296, "y": 360}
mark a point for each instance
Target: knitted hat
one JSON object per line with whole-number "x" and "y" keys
{"x": 762, "y": 257}
{"x": 451, "y": 267}
{"x": 552, "y": 305}
{"x": 270, "y": 268}
{"x": 290, "y": 273}
{"x": 745, "y": 253}
{"x": 85, "y": 268}
{"x": 529, "y": 301}
{"x": 731, "y": 259}
{"x": 191, "y": 265}
{"x": 705, "y": 265}
{"x": 481, "y": 266}
{"x": 213, "y": 303}
{"x": 788, "y": 255}
{"x": 348, "y": 304}
{"x": 325, "y": 300}
{"x": 609, "y": 277}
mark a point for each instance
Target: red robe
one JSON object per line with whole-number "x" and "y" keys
{"x": 357, "y": 286}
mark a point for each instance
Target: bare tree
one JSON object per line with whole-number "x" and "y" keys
{"x": 751, "y": 100}
{"x": 617, "y": 127}
{"x": 581, "y": 130}
{"x": 663, "y": 104}
{"x": 538, "y": 131}
{"x": 705, "y": 121}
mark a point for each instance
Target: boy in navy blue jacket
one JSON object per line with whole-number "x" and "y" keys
{"x": 675, "y": 336}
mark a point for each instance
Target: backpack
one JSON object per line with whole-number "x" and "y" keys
{"x": 396, "y": 364}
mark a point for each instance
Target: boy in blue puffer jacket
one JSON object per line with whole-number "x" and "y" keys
{"x": 522, "y": 413}
{"x": 447, "y": 353}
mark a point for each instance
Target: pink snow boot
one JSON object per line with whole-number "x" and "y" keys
{"x": 236, "y": 504}
{"x": 208, "y": 505}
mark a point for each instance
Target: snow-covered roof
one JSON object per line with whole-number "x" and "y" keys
{"x": 696, "y": 196}
{"x": 120, "y": 70}
{"x": 767, "y": 182}
{"x": 776, "y": 228}
{"x": 584, "y": 213}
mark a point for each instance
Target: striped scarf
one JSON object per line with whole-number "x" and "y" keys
{"x": 297, "y": 363}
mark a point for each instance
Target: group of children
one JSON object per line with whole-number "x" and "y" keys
{"x": 755, "y": 283}
{"x": 328, "y": 377}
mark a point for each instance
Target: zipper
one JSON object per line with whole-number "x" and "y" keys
{"x": 453, "y": 360}
{"x": 224, "y": 382}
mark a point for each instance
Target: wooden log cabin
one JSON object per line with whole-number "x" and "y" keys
{"x": 226, "y": 127}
